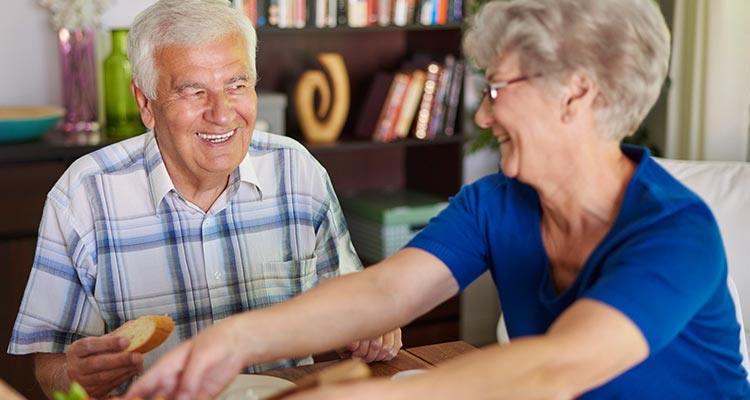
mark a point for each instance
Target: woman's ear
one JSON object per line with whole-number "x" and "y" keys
{"x": 578, "y": 95}
{"x": 144, "y": 106}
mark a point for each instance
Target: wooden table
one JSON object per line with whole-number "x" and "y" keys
{"x": 423, "y": 357}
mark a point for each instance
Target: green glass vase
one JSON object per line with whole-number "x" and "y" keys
{"x": 123, "y": 117}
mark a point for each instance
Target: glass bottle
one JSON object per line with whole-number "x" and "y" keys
{"x": 123, "y": 117}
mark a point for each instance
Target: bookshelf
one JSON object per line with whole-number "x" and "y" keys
{"x": 432, "y": 166}
{"x": 284, "y": 54}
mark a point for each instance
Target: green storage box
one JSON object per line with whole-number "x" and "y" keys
{"x": 381, "y": 223}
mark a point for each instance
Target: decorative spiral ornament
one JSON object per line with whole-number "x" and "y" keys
{"x": 323, "y": 126}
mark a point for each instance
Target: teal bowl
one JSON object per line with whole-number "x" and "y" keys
{"x": 25, "y": 123}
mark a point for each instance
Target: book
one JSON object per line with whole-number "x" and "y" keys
{"x": 357, "y": 13}
{"x": 250, "y": 9}
{"x": 342, "y": 12}
{"x": 273, "y": 12}
{"x": 400, "y": 12}
{"x": 299, "y": 13}
{"x": 437, "y": 114}
{"x": 376, "y": 96}
{"x": 331, "y": 13}
{"x": 425, "y": 12}
{"x": 320, "y": 14}
{"x": 384, "y": 12}
{"x": 410, "y": 104}
{"x": 385, "y": 127}
{"x": 425, "y": 105}
{"x": 372, "y": 12}
{"x": 454, "y": 95}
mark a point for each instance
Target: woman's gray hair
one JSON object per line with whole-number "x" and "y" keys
{"x": 182, "y": 23}
{"x": 623, "y": 45}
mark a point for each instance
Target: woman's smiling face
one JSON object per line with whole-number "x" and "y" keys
{"x": 522, "y": 118}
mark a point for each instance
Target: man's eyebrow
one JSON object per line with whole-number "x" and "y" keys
{"x": 187, "y": 85}
{"x": 240, "y": 77}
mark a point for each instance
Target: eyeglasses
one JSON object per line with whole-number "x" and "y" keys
{"x": 493, "y": 88}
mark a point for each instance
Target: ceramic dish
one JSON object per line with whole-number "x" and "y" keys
{"x": 22, "y": 123}
{"x": 254, "y": 387}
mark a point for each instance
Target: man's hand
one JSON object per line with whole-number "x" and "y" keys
{"x": 382, "y": 348}
{"x": 100, "y": 364}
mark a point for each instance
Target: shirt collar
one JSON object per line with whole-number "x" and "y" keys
{"x": 248, "y": 173}
{"x": 156, "y": 172}
{"x": 161, "y": 183}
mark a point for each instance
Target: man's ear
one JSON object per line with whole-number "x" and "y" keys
{"x": 144, "y": 106}
{"x": 578, "y": 95}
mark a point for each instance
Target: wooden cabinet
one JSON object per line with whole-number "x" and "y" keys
{"x": 25, "y": 187}
{"x": 432, "y": 166}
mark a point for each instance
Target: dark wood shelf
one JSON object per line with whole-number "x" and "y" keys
{"x": 266, "y": 30}
{"x": 357, "y": 145}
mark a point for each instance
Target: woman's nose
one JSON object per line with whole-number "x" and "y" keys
{"x": 483, "y": 116}
{"x": 221, "y": 110}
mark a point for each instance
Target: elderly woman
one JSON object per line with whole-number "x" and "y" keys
{"x": 611, "y": 274}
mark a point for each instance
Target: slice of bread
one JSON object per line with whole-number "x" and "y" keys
{"x": 146, "y": 333}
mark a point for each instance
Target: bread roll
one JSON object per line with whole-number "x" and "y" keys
{"x": 146, "y": 333}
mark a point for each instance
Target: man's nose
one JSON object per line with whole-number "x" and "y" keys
{"x": 221, "y": 110}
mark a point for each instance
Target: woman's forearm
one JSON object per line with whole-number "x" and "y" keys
{"x": 352, "y": 307}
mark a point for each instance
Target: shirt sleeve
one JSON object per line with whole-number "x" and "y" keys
{"x": 661, "y": 277}
{"x": 334, "y": 249}
{"x": 57, "y": 307}
{"x": 456, "y": 236}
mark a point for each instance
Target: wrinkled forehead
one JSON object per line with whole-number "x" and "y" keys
{"x": 505, "y": 65}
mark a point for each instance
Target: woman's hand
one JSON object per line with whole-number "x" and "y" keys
{"x": 199, "y": 368}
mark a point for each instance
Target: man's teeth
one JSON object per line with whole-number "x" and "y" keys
{"x": 503, "y": 139}
{"x": 216, "y": 138}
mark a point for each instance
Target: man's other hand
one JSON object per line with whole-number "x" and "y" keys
{"x": 382, "y": 348}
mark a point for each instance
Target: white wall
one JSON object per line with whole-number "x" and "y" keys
{"x": 480, "y": 306}
{"x": 30, "y": 72}
{"x": 708, "y": 114}
{"x": 728, "y": 81}
{"x": 30, "y": 69}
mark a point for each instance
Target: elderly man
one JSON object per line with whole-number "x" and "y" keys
{"x": 200, "y": 218}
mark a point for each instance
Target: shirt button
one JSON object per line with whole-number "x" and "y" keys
{"x": 217, "y": 275}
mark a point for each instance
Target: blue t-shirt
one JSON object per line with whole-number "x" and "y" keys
{"x": 662, "y": 264}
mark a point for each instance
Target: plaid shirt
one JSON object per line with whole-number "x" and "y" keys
{"x": 117, "y": 241}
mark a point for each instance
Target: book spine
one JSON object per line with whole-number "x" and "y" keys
{"x": 425, "y": 105}
{"x": 331, "y": 13}
{"x": 273, "y": 12}
{"x": 437, "y": 116}
{"x": 384, "y": 130}
{"x": 372, "y": 12}
{"x": 425, "y": 12}
{"x": 342, "y": 12}
{"x": 400, "y": 12}
{"x": 284, "y": 9}
{"x": 299, "y": 13}
{"x": 410, "y": 104}
{"x": 262, "y": 12}
{"x": 320, "y": 13}
{"x": 453, "y": 98}
{"x": 457, "y": 14}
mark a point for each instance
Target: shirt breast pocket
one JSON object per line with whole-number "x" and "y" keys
{"x": 277, "y": 281}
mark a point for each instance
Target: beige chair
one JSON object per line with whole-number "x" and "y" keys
{"x": 725, "y": 187}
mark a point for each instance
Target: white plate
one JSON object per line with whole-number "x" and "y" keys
{"x": 254, "y": 387}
